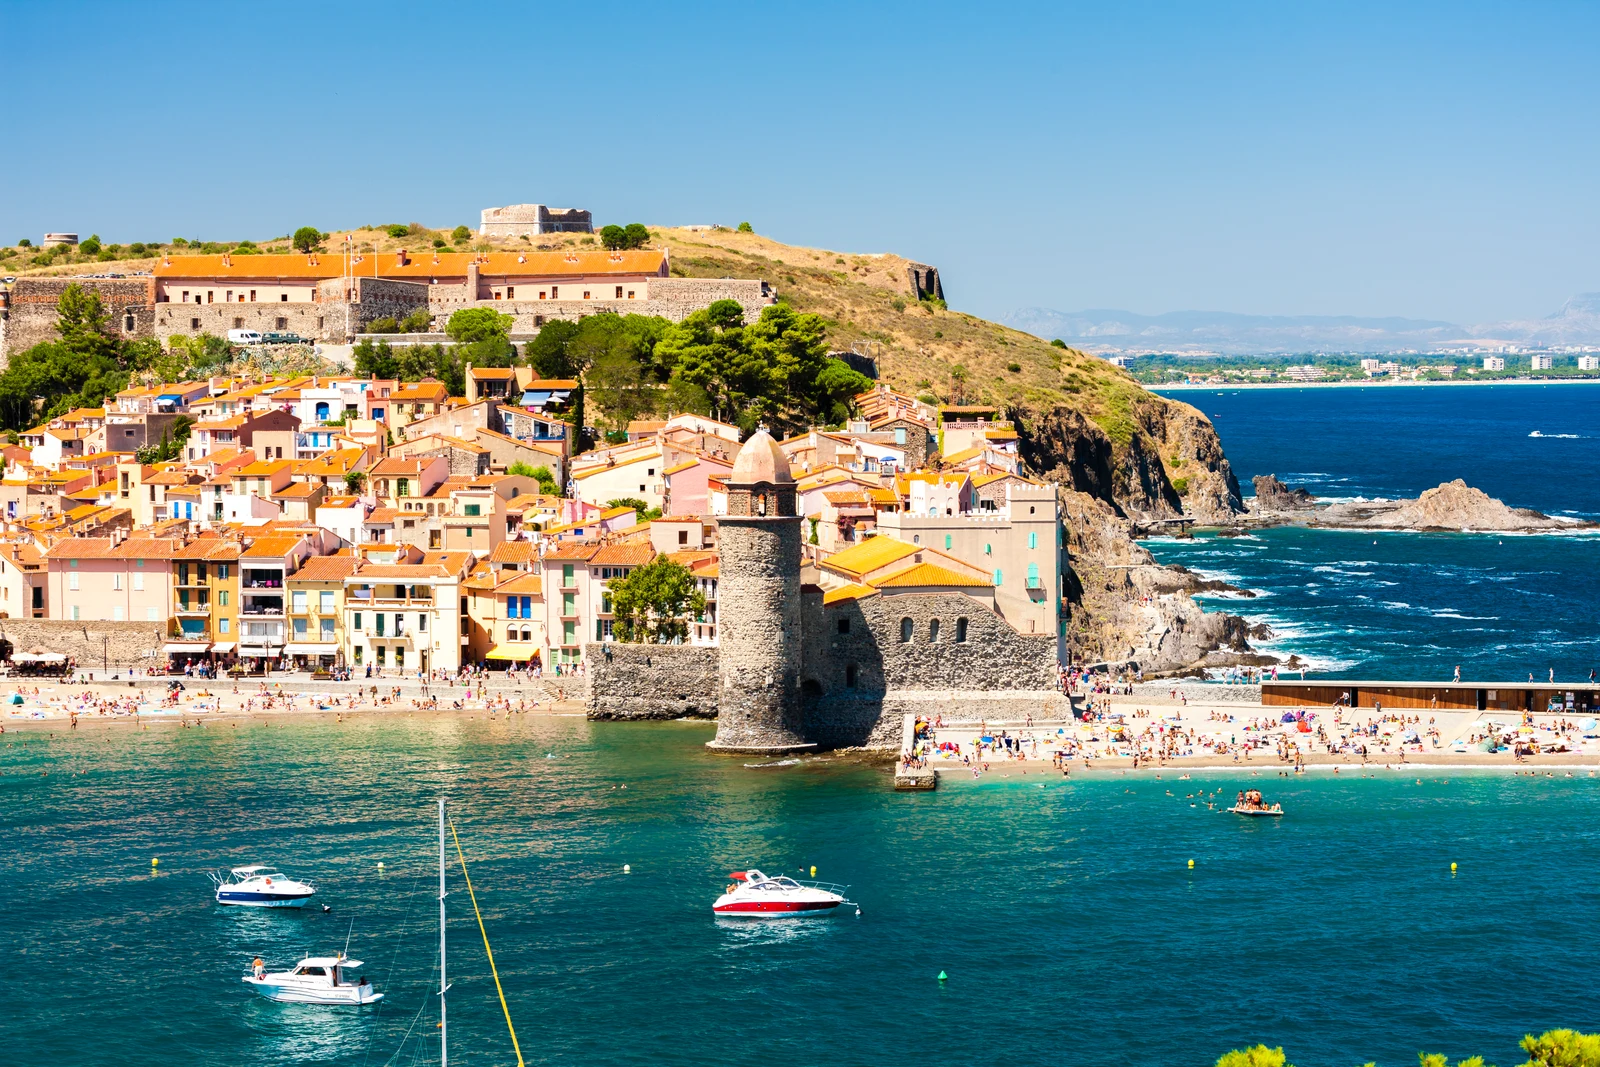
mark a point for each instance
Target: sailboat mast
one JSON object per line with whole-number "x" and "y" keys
{"x": 444, "y": 1042}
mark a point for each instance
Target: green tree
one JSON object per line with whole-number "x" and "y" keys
{"x": 1562, "y": 1048}
{"x": 354, "y": 482}
{"x": 399, "y": 229}
{"x": 375, "y": 360}
{"x": 1255, "y": 1056}
{"x": 547, "y": 352}
{"x": 655, "y": 602}
{"x": 745, "y": 227}
{"x": 613, "y": 237}
{"x": 307, "y": 239}
{"x": 635, "y": 235}
{"x": 419, "y": 321}
{"x": 1058, "y": 343}
{"x": 80, "y": 369}
{"x": 90, "y": 246}
{"x": 460, "y": 234}
{"x": 540, "y": 474}
{"x": 386, "y": 324}
{"x": 629, "y": 502}
{"x": 477, "y": 324}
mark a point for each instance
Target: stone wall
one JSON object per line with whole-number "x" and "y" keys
{"x": 123, "y": 644}
{"x": 671, "y": 298}
{"x": 318, "y": 321}
{"x": 651, "y": 681}
{"x": 857, "y": 681}
{"x": 31, "y": 315}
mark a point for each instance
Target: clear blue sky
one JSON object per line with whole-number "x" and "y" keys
{"x": 1384, "y": 159}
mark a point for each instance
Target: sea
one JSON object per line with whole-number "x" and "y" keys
{"x": 1410, "y": 605}
{"x": 1064, "y": 914}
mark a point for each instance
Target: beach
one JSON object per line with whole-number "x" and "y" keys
{"x": 1153, "y": 734}
{"x": 1367, "y": 383}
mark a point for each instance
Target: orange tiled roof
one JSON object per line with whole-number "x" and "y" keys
{"x": 423, "y": 267}
{"x": 623, "y": 556}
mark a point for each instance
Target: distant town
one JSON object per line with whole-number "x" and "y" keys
{"x": 1498, "y": 363}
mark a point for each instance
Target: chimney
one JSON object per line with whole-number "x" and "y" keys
{"x": 472, "y": 280}
{"x": 400, "y": 258}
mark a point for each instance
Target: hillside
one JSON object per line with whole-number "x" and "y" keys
{"x": 1084, "y": 422}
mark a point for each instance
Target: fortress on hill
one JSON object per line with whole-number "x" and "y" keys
{"x": 800, "y": 668}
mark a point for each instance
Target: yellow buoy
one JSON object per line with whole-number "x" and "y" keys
{"x": 627, "y": 869}
{"x": 1452, "y": 868}
{"x": 813, "y": 870}
{"x": 1191, "y": 865}
{"x": 155, "y": 863}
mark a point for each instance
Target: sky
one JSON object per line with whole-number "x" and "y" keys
{"x": 1425, "y": 160}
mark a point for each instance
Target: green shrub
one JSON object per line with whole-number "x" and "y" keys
{"x": 387, "y": 324}
{"x": 1014, "y": 368}
{"x": 399, "y": 229}
{"x": 1058, "y": 343}
{"x": 745, "y": 227}
{"x": 460, "y": 234}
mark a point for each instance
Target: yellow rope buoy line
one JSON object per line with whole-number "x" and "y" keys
{"x": 487, "y": 950}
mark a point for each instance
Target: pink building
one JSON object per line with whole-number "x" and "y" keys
{"x": 99, "y": 579}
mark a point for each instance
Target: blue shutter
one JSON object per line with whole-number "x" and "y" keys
{"x": 1033, "y": 576}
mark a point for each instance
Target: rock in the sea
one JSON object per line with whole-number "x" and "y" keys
{"x": 1458, "y": 506}
{"x": 1273, "y": 495}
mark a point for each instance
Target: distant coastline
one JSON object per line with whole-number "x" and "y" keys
{"x": 1370, "y": 384}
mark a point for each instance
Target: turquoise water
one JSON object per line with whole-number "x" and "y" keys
{"x": 1066, "y": 917}
{"x": 1409, "y": 605}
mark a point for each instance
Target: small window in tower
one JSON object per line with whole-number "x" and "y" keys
{"x": 961, "y": 631}
{"x": 906, "y": 629}
{"x": 933, "y": 632}
{"x": 844, "y": 626}
{"x": 850, "y": 675}
{"x": 619, "y": 292}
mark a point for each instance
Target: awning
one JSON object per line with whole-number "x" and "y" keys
{"x": 222, "y": 646}
{"x": 185, "y": 646}
{"x": 516, "y": 650}
{"x": 310, "y": 648}
{"x": 38, "y": 657}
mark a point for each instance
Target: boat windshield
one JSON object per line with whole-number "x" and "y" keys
{"x": 319, "y": 971}
{"x": 266, "y": 872}
{"x": 785, "y": 882}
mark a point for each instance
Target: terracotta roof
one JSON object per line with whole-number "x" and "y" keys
{"x": 930, "y": 574}
{"x": 514, "y": 552}
{"x": 422, "y": 266}
{"x": 623, "y": 556}
{"x": 523, "y": 585}
{"x": 396, "y": 466}
{"x": 852, "y": 591}
{"x": 869, "y": 555}
{"x": 327, "y": 568}
{"x": 553, "y": 385}
{"x": 209, "y": 548}
{"x": 571, "y": 551}
{"x": 265, "y": 547}
{"x": 260, "y": 468}
{"x": 382, "y": 515}
{"x": 492, "y": 372}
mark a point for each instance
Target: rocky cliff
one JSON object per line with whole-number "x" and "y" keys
{"x": 1272, "y": 496}
{"x": 1451, "y": 506}
{"x": 1123, "y": 606}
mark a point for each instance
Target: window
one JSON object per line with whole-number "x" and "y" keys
{"x": 355, "y": 621}
{"x": 222, "y": 572}
{"x": 850, "y": 673}
{"x": 1033, "y": 540}
{"x": 569, "y": 603}
{"x": 933, "y": 632}
{"x": 238, "y": 322}
{"x": 252, "y": 296}
{"x": 224, "y": 625}
{"x": 282, "y": 323}
{"x": 619, "y": 292}
{"x": 471, "y": 511}
{"x": 541, "y": 294}
{"x": 630, "y": 294}
{"x": 988, "y": 550}
{"x": 381, "y": 654}
{"x": 1033, "y": 576}
{"x": 74, "y": 613}
{"x": 378, "y": 618}
{"x": 916, "y": 539}
{"x": 947, "y": 542}
{"x": 116, "y": 581}
{"x": 300, "y": 629}
{"x": 222, "y": 597}
{"x": 150, "y": 615}
{"x": 683, "y": 537}
{"x": 402, "y": 487}
{"x": 116, "y": 613}
{"x": 72, "y": 582}
{"x": 511, "y": 292}
{"x": 566, "y": 575}
{"x": 844, "y": 626}
{"x": 586, "y": 294}
{"x": 194, "y": 324}
{"x": 906, "y": 627}
{"x": 961, "y": 631}
{"x": 283, "y": 297}
{"x": 358, "y": 655}
{"x": 555, "y": 292}
{"x": 422, "y": 624}
{"x": 327, "y": 602}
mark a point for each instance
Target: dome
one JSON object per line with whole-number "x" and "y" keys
{"x": 760, "y": 460}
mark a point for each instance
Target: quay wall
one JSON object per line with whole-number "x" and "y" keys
{"x": 121, "y": 644}
{"x": 651, "y": 681}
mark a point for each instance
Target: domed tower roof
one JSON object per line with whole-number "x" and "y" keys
{"x": 760, "y": 460}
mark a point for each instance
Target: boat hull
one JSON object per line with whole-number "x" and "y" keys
{"x": 343, "y": 996}
{"x": 1256, "y": 812}
{"x": 775, "y": 909}
{"x": 250, "y": 899}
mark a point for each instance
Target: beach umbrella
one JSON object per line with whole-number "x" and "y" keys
{"x": 1288, "y": 716}
{"x": 16, "y": 698}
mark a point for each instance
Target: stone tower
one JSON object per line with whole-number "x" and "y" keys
{"x": 758, "y": 605}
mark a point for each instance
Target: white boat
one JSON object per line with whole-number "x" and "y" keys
{"x": 314, "y": 980}
{"x": 260, "y": 886}
{"x": 753, "y": 895}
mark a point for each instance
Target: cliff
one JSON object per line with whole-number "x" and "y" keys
{"x": 1451, "y": 506}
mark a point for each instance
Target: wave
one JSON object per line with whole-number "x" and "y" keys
{"x": 1560, "y": 436}
{"x": 1473, "y": 618}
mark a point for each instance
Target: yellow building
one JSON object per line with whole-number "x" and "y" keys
{"x": 205, "y": 601}
{"x": 316, "y": 611}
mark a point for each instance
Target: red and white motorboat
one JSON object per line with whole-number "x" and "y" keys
{"x": 753, "y": 895}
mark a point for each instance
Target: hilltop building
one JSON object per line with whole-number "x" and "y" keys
{"x": 519, "y": 220}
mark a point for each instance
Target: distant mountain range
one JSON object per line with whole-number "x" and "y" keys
{"x": 1577, "y": 323}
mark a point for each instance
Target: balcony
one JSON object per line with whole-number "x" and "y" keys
{"x": 263, "y": 583}
{"x": 192, "y": 609}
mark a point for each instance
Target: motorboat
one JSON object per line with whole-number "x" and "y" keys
{"x": 756, "y": 896}
{"x": 260, "y": 886}
{"x": 1252, "y": 804}
{"x": 314, "y": 980}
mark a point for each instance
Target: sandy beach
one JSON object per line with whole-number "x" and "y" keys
{"x": 1158, "y": 735}
{"x": 54, "y": 704}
